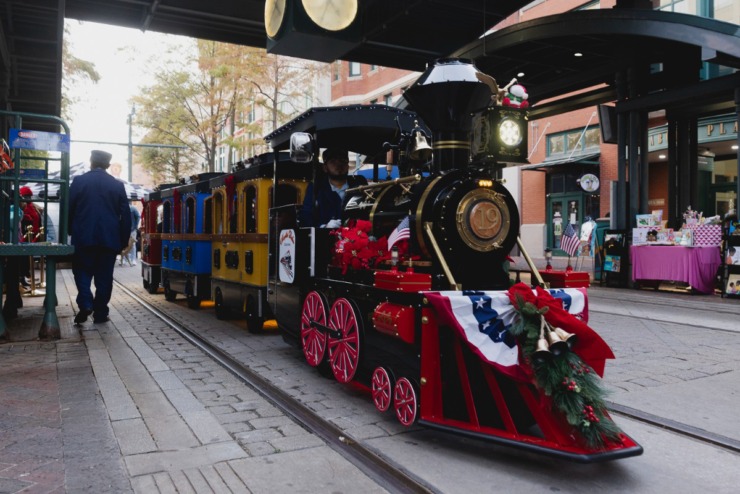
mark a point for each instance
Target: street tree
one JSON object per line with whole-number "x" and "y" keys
{"x": 190, "y": 102}
{"x": 209, "y": 100}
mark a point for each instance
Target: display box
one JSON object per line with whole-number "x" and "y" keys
{"x": 707, "y": 235}
{"x": 566, "y": 279}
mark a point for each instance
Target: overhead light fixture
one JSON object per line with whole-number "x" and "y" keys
{"x": 578, "y": 54}
{"x": 734, "y": 147}
{"x": 520, "y": 74}
{"x": 661, "y": 156}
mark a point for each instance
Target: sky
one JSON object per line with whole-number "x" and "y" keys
{"x": 122, "y": 58}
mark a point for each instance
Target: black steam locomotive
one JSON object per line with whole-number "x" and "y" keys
{"x": 410, "y": 296}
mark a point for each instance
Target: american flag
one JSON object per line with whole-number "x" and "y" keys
{"x": 401, "y": 232}
{"x": 570, "y": 241}
{"x": 483, "y": 320}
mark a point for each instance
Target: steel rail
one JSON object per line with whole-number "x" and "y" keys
{"x": 682, "y": 429}
{"x": 377, "y": 468}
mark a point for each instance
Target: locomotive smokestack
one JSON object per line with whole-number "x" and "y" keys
{"x": 445, "y": 96}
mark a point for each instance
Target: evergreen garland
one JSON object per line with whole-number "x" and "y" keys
{"x": 574, "y": 387}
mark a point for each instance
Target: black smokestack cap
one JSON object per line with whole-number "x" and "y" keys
{"x": 447, "y": 93}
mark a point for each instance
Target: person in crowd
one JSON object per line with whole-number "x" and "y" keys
{"x": 322, "y": 206}
{"x": 100, "y": 225}
{"x": 135, "y": 219}
{"x": 30, "y": 229}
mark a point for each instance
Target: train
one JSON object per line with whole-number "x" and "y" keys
{"x": 410, "y": 296}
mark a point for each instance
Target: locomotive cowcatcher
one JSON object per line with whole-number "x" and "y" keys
{"x": 411, "y": 296}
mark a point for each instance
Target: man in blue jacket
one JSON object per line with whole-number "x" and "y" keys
{"x": 100, "y": 225}
{"x": 322, "y": 206}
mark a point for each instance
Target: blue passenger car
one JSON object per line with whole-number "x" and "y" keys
{"x": 186, "y": 249}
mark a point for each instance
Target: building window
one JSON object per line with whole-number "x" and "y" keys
{"x": 337, "y": 70}
{"x": 388, "y": 99}
{"x": 250, "y": 113}
{"x": 574, "y": 142}
{"x": 373, "y": 68}
{"x": 374, "y": 101}
{"x": 354, "y": 69}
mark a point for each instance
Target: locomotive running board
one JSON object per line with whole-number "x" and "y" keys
{"x": 598, "y": 457}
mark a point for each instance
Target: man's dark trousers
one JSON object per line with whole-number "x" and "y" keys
{"x": 94, "y": 263}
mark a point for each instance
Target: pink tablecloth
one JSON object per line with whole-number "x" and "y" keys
{"x": 696, "y": 266}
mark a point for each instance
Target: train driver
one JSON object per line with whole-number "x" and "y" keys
{"x": 323, "y": 204}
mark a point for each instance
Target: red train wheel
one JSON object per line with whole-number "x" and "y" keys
{"x": 405, "y": 402}
{"x": 344, "y": 351}
{"x": 382, "y": 388}
{"x": 313, "y": 340}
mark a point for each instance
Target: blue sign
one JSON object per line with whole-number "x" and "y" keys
{"x": 42, "y": 141}
{"x": 32, "y": 173}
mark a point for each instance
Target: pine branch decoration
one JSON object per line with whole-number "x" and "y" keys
{"x": 575, "y": 388}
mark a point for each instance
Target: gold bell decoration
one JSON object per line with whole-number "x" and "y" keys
{"x": 553, "y": 341}
{"x": 557, "y": 346}
{"x": 542, "y": 351}
{"x": 567, "y": 337}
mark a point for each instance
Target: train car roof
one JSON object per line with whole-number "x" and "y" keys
{"x": 262, "y": 166}
{"x": 358, "y": 128}
{"x": 156, "y": 194}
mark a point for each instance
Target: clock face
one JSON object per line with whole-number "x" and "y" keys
{"x": 589, "y": 182}
{"x": 332, "y": 15}
{"x": 509, "y": 132}
{"x": 274, "y": 13}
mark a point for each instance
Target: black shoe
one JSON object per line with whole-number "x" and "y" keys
{"x": 82, "y": 316}
{"x": 101, "y": 320}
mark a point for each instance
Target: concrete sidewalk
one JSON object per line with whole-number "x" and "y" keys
{"x": 128, "y": 405}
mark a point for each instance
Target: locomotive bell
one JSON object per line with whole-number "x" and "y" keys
{"x": 420, "y": 148}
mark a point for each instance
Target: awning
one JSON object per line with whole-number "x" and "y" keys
{"x": 581, "y": 159}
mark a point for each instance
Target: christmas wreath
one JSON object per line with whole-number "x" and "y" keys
{"x": 572, "y": 384}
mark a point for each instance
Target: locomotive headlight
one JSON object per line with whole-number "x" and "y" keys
{"x": 485, "y": 183}
{"x": 509, "y": 132}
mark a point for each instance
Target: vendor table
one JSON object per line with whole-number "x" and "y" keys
{"x": 696, "y": 266}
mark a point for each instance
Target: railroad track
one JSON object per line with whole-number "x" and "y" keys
{"x": 382, "y": 471}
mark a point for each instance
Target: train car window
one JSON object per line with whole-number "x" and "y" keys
{"x": 207, "y": 218}
{"x": 167, "y": 217}
{"x": 233, "y": 217}
{"x": 218, "y": 212}
{"x": 284, "y": 194}
{"x": 190, "y": 215}
{"x": 250, "y": 209}
{"x": 160, "y": 216}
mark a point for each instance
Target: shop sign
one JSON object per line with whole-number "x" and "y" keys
{"x": 710, "y": 130}
{"x": 705, "y": 163}
{"x": 41, "y": 141}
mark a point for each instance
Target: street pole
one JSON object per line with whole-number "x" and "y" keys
{"x": 130, "y": 144}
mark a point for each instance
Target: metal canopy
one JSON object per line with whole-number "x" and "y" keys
{"x": 408, "y": 34}
{"x": 611, "y": 41}
{"x": 394, "y": 34}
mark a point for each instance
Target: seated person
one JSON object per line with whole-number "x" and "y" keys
{"x": 323, "y": 204}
